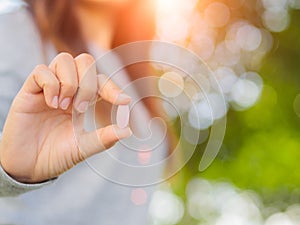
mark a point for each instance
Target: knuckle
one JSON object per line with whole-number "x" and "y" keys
{"x": 64, "y": 57}
{"x": 52, "y": 82}
{"x": 51, "y": 85}
{"x": 40, "y": 68}
{"x": 87, "y": 58}
{"x": 87, "y": 92}
{"x": 68, "y": 87}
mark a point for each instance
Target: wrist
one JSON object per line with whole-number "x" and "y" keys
{"x": 15, "y": 174}
{"x": 9, "y": 170}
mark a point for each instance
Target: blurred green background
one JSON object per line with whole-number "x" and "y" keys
{"x": 261, "y": 150}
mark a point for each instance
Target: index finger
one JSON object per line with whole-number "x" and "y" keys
{"x": 110, "y": 92}
{"x": 87, "y": 88}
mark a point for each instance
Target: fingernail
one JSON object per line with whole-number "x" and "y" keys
{"x": 65, "y": 103}
{"x": 123, "y": 98}
{"x": 54, "y": 102}
{"x": 124, "y": 133}
{"x": 83, "y": 106}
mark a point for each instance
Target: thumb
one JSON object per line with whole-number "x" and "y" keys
{"x": 99, "y": 140}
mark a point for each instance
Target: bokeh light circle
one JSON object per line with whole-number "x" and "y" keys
{"x": 217, "y": 14}
{"x": 276, "y": 20}
{"x": 171, "y": 84}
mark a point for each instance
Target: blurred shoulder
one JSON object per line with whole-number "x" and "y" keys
{"x": 20, "y": 43}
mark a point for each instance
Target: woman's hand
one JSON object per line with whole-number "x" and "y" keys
{"x": 38, "y": 141}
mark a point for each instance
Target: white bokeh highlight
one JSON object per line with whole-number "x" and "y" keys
{"x": 166, "y": 208}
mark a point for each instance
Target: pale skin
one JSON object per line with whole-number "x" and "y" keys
{"x": 38, "y": 141}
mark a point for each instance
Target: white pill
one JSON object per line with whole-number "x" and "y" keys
{"x": 123, "y": 114}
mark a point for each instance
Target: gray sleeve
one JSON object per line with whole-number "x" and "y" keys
{"x": 11, "y": 187}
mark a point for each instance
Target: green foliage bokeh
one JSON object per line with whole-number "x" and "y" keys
{"x": 261, "y": 150}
